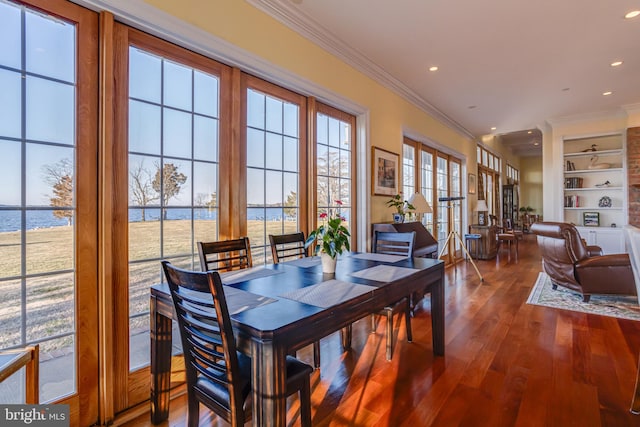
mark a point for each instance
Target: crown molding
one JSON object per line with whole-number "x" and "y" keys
{"x": 286, "y": 13}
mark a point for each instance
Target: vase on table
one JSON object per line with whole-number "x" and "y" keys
{"x": 328, "y": 263}
{"x": 398, "y": 217}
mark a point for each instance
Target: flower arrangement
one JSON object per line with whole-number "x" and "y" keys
{"x": 332, "y": 237}
{"x": 402, "y": 206}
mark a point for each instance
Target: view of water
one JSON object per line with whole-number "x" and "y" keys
{"x": 10, "y": 220}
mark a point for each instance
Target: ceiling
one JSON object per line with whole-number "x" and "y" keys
{"x": 513, "y": 65}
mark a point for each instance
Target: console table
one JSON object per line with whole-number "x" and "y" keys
{"x": 425, "y": 246}
{"x": 488, "y": 242}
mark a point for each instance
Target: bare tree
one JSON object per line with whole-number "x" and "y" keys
{"x": 60, "y": 176}
{"x": 201, "y": 200}
{"x": 142, "y": 192}
{"x": 330, "y": 188}
{"x": 169, "y": 183}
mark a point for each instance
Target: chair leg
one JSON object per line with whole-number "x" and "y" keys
{"x": 193, "y": 415}
{"x": 389, "y": 334}
{"x": 586, "y": 297}
{"x": 305, "y": 403}
{"x": 373, "y": 323}
{"x": 316, "y": 354}
{"x": 407, "y": 320}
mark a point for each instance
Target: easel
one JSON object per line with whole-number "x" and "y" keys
{"x": 453, "y": 234}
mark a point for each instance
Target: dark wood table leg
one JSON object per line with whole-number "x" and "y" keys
{"x": 437, "y": 316}
{"x": 268, "y": 381}
{"x": 160, "y": 364}
{"x": 345, "y": 337}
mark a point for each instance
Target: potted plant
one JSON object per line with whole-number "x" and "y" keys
{"x": 331, "y": 239}
{"x": 401, "y": 206}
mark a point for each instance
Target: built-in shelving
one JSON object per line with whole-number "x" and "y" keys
{"x": 597, "y": 209}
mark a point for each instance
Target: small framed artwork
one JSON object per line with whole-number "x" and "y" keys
{"x": 591, "y": 219}
{"x": 385, "y": 172}
{"x": 472, "y": 184}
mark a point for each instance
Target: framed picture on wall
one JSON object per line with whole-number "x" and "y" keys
{"x": 591, "y": 219}
{"x": 471, "y": 183}
{"x": 385, "y": 168}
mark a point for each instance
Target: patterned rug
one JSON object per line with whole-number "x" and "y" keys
{"x": 625, "y": 307}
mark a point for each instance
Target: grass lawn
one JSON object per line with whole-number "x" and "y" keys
{"x": 50, "y": 300}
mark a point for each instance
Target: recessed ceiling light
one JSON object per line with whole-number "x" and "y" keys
{"x": 632, "y": 14}
{"x": 616, "y": 63}
{"x": 434, "y": 68}
{"x": 493, "y": 128}
{"x": 536, "y": 143}
{"x": 471, "y": 107}
{"x": 529, "y": 132}
{"x": 566, "y": 89}
{"x": 607, "y": 93}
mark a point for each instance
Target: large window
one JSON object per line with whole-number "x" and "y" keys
{"x": 408, "y": 170}
{"x": 489, "y": 167}
{"x": 440, "y": 176}
{"x": 173, "y": 175}
{"x": 274, "y": 142}
{"x": 48, "y": 128}
{"x": 334, "y": 171}
{"x": 427, "y": 184}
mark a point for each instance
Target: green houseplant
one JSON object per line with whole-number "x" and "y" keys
{"x": 331, "y": 238}
{"x": 401, "y": 206}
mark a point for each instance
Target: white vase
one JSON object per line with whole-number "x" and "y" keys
{"x": 328, "y": 263}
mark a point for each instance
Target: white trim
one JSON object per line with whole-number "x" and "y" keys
{"x": 363, "y": 181}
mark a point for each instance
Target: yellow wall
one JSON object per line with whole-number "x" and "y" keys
{"x": 257, "y": 33}
{"x": 531, "y": 183}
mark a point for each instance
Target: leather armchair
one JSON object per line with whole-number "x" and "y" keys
{"x": 569, "y": 262}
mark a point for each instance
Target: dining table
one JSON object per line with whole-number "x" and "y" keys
{"x": 278, "y": 308}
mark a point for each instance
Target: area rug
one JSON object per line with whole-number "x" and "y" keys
{"x": 625, "y": 307}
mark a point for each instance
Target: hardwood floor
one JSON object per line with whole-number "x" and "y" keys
{"x": 507, "y": 363}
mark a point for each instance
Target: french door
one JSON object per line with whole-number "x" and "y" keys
{"x": 48, "y": 226}
{"x": 172, "y": 113}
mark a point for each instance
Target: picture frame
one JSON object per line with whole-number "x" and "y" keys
{"x": 385, "y": 170}
{"x": 591, "y": 219}
{"x": 471, "y": 184}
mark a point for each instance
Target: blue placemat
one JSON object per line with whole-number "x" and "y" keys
{"x": 329, "y": 293}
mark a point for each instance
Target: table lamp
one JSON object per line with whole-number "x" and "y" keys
{"x": 420, "y": 204}
{"x": 482, "y": 209}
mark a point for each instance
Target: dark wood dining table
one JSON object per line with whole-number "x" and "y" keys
{"x": 294, "y": 304}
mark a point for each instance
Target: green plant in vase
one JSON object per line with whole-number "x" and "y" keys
{"x": 401, "y": 206}
{"x": 331, "y": 239}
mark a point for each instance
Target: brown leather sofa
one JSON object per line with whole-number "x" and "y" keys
{"x": 569, "y": 262}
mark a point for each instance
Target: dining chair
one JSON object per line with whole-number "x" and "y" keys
{"x": 391, "y": 243}
{"x": 218, "y": 376}
{"x": 287, "y": 247}
{"x": 225, "y": 255}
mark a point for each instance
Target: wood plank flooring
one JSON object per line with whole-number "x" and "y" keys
{"x": 507, "y": 363}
